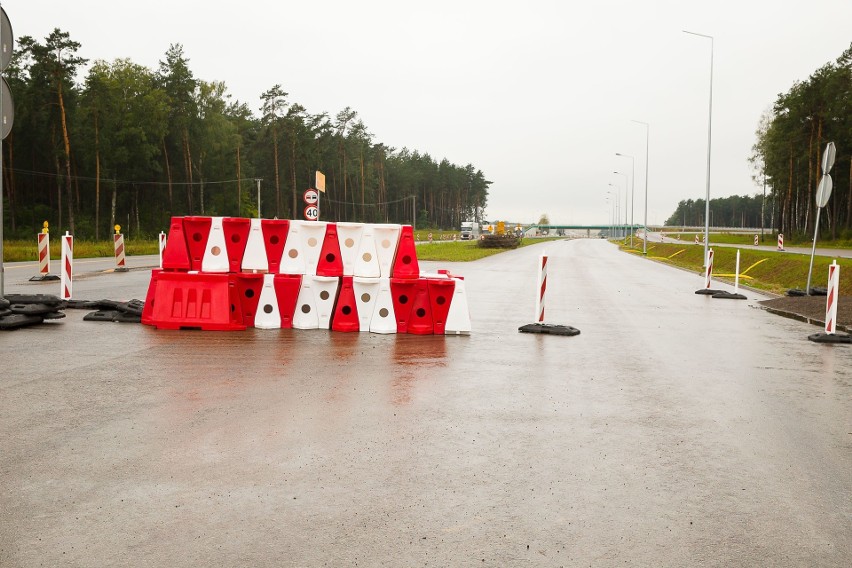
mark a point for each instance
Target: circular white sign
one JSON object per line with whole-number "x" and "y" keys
{"x": 311, "y": 213}
{"x": 311, "y": 196}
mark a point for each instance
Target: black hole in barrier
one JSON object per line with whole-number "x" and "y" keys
{"x": 267, "y": 309}
{"x": 235, "y": 238}
{"x": 233, "y": 308}
{"x": 406, "y": 259}
{"x": 403, "y": 299}
{"x": 306, "y": 308}
{"x": 249, "y": 293}
{"x": 196, "y": 237}
{"x": 273, "y": 239}
{"x": 421, "y": 312}
{"x": 329, "y": 257}
{"x": 440, "y": 300}
{"x": 346, "y": 310}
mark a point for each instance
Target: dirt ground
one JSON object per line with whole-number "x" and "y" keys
{"x": 811, "y": 308}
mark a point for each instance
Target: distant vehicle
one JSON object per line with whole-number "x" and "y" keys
{"x": 469, "y": 230}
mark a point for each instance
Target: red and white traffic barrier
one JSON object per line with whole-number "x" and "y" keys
{"x": 162, "y": 246}
{"x": 346, "y": 277}
{"x": 781, "y": 241}
{"x": 708, "y": 271}
{"x": 120, "y": 261}
{"x": 542, "y": 287}
{"x": 831, "y": 298}
{"x": 66, "y": 279}
{"x": 43, "y": 254}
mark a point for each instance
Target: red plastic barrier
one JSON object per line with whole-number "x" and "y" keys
{"x": 420, "y": 318}
{"x": 274, "y": 237}
{"x": 148, "y": 310}
{"x": 176, "y": 255}
{"x": 440, "y": 297}
{"x": 196, "y": 301}
{"x": 248, "y": 291}
{"x": 403, "y": 291}
{"x": 330, "y": 262}
{"x": 236, "y": 231}
{"x": 197, "y": 231}
{"x": 405, "y": 263}
{"x": 287, "y": 288}
{"x": 346, "y": 311}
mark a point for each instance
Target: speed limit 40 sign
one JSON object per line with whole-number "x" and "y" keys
{"x": 311, "y": 213}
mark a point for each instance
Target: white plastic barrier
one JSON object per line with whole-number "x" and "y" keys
{"x": 458, "y": 319}
{"x": 305, "y": 316}
{"x": 313, "y": 235}
{"x": 384, "y": 318}
{"x": 349, "y": 237}
{"x": 268, "y": 315}
{"x": 325, "y": 295}
{"x": 366, "y": 292}
{"x": 254, "y": 257}
{"x": 367, "y": 262}
{"x": 215, "y": 253}
{"x": 387, "y": 239}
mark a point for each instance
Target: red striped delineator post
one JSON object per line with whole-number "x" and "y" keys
{"x": 120, "y": 264}
{"x": 65, "y": 281}
{"x": 708, "y": 274}
{"x": 162, "y": 246}
{"x": 831, "y": 298}
{"x": 542, "y": 287}
{"x": 44, "y": 254}
{"x": 780, "y": 241}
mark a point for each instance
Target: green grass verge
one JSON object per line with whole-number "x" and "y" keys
{"x": 22, "y": 251}
{"x": 772, "y": 271}
{"x": 465, "y": 251}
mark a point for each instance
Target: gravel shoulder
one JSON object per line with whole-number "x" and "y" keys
{"x": 811, "y": 309}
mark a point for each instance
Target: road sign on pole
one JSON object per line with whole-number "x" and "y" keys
{"x": 311, "y": 213}
{"x": 311, "y": 196}
{"x": 822, "y": 194}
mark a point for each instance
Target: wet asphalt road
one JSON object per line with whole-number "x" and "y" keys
{"x": 676, "y": 430}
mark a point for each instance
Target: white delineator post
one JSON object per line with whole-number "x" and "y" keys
{"x": 737, "y": 274}
{"x": 542, "y": 286}
{"x": 162, "y": 246}
{"x": 65, "y": 281}
{"x": 708, "y": 273}
{"x": 832, "y": 297}
{"x": 780, "y": 241}
{"x": 44, "y": 254}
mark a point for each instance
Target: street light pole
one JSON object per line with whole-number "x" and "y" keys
{"x": 632, "y": 190}
{"x": 617, "y": 205}
{"x": 709, "y": 139}
{"x": 645, "y": 224}
{"x": 625, "y": 200}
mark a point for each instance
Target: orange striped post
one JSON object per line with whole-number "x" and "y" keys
{"x": 118, "y": 241}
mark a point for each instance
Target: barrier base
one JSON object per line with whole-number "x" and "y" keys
{"x": 549, "y": 328}
{"x": 707, "y": 291}
{"x": 823, "y": 337}
{"x": 815, "y": 291}
{"x": 44, "y": 278}
{"x": 122, "y": 269}
{"x": 728, "y": 296}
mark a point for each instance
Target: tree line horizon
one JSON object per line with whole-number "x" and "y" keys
{"x": 135, "y": 146}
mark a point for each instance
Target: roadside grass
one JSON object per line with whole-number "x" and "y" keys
{"x": 747, "y": 239}
{"x": 772, "y": 271}
{"x": 466, "y": 251}
{"x": 22, "y": 251}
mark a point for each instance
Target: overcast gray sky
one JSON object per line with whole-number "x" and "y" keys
{"x": 539, "y": 95}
